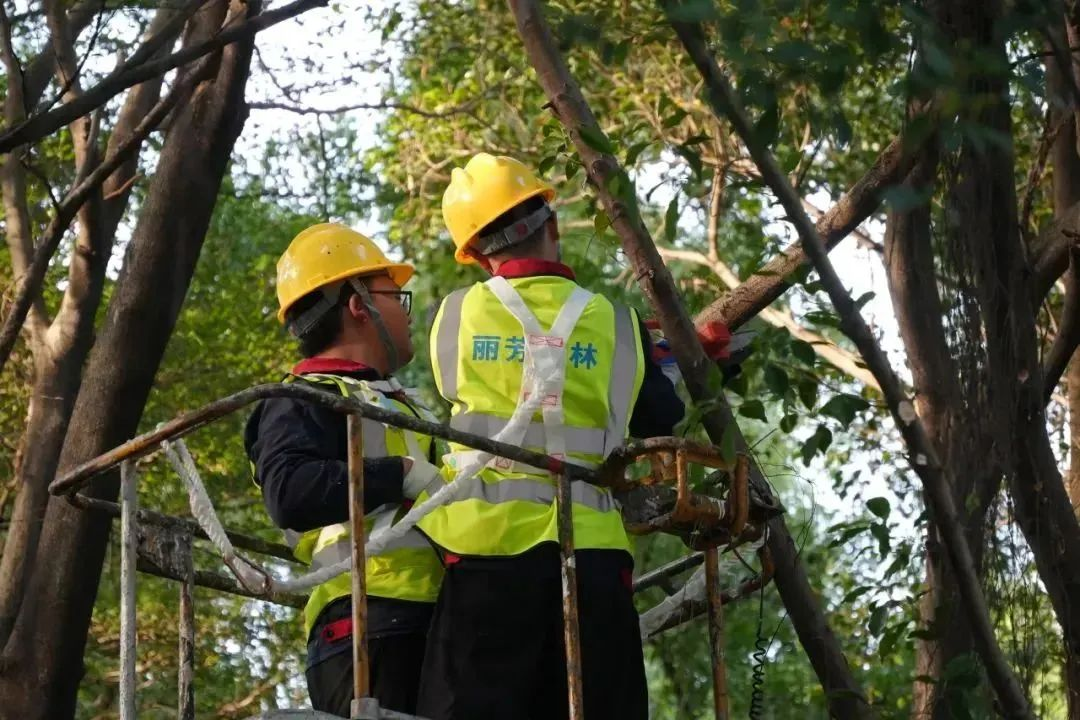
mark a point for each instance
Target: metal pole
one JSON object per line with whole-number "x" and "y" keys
{"x": 186, "y": 703}
{"x": 129, "y": 501}
{"x": 716, "y": 632}
{"x": 571, "y": 628}
{"x": 361, "y": 682}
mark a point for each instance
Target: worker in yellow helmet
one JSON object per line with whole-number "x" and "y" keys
{"x": 531, "y": 358}
{"x": 343, "y": 300}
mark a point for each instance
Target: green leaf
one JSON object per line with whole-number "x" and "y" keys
{"x": 635, "y": 152}
{"x": 881, "y": 533}
{"x": 391, "y": 24}
{"x": 767, "y": 125}
{"x": 727, "y": 443}
{"x": 861, "y": 301}
{"x": 877, "y": 620}
{"x": 596, "y": 139}
{"x": 776, "y": 380}
{"x": 674, "y": 118}
{"x": 844, "y": 407}
{"x": 671, "y": 220}
{"x": 856, "y": 594}
{"x": 546, "y": 164}
{"x": 692, "y": 158}
{"x": 818, "y": 442}
{"x": 803, "y": 352}
{"x": 879, "y": 506}
{"x": 808, "y": 392}
{"x": 753, "y": 409}
{"x": 696, "y": 140}
{"x": 601, "y": 223}
{"x": 842, "y": 128}
{"x": 572, "y": 168}
{"x": 738, "y": 384}
{"x": 788, "y": 423}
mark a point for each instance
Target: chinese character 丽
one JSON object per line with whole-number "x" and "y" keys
{"x": 485, "y": 347}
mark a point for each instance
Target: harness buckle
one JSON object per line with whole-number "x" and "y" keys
{"x": 546, "y": 341}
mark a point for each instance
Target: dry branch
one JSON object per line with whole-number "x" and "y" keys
{"x": 924, "y": 457}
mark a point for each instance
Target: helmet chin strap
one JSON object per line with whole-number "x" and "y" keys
{"x": 380, "y": 327}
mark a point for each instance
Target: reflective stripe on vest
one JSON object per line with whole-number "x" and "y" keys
{"x": 408, "y": 567}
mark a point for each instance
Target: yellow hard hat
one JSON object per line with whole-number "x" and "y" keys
{"x": 483, "y": 190}
{"x": 326, "y": 253}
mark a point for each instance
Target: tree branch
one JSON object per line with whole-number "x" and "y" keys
{"x": 716, "y": 203}
{"x": 1068, "y": 336}
{"x": 463, "y": 108}
{"x": 13, "y": 179}
{"x": 30, "y": 285}
{"x": 616, "y": 193}
{"x": 924, "y": 458}
{"x": 827, "y": 350}
{"x": 141, "y": 68}
{"x": 854, "y": 207}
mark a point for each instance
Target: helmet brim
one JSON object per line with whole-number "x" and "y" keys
{"x": 400, "y": 274}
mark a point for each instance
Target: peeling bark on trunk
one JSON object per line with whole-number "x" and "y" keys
{"x": 44, "y": 655}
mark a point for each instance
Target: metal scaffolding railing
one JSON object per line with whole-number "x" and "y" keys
{"x": 162, "y": 545}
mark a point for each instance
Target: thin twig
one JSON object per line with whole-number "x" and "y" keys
{"x": 30, "y": 283}
{"x": 139, "y": 69}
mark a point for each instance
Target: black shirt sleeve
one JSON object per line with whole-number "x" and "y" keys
{"x": 299, "y": 454}
{"x": 658, "y": 408}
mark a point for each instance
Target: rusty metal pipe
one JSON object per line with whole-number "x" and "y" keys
{"x": 715, "y": 598}
{"x": 186, "y": 424}
{"x": 361, "y": 678}
{"x": 571, "y": 627}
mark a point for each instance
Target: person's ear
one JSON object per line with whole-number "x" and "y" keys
{"x": 357, "y": 309}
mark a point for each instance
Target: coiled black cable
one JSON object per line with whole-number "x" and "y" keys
{"x": 760, "y": 655}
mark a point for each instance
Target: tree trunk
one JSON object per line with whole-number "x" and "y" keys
{"x": 61, "y": 350}
{"x": 45, "y": 652}
{"x": 981, "y": 205}
{"x": 1065, "y": 161}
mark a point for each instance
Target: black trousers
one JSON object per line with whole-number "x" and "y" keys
{"x": 395, "y": 675}
{"x": 496, "y": 651}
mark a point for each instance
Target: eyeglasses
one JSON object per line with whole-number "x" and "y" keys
{"x": 404, "y": 297}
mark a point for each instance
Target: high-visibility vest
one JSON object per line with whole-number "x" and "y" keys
{"x": 408, "y": 568}
{"x": 579, "y": 358}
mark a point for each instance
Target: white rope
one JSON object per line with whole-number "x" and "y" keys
{"x": 252, "y": 575}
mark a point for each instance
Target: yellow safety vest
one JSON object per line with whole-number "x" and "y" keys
{"x": 578, "y": 356}
{"x": 409, "y": 568}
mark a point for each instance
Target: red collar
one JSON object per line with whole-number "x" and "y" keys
{"x": 334, "y": 366}
{"x": 529, "y": 267}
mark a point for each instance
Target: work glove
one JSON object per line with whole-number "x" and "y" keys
{"x": 720, "y": 346}
{"x": 420, "y": 476}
